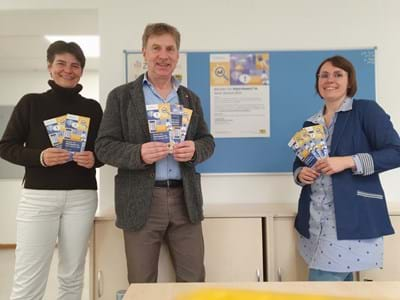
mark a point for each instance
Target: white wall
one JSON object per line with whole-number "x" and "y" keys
{"x": 249, "y": 25}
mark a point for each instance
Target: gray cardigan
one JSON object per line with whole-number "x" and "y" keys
{"x": 123, "y": 130}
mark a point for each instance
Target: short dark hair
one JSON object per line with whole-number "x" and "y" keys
{"x": 344, "y": 64}
{"x": 160, "y": 29}
{"x": 60, "y": 47}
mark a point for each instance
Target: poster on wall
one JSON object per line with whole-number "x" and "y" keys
{"x": 135, "y": 66}
{"x": 239, "y": 95}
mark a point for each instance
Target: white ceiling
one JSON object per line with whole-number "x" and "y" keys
{"x": 22, "y": 43}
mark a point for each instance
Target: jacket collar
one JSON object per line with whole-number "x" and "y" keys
{"x": 342, "y": 116}
{"x": 136, "y": 95}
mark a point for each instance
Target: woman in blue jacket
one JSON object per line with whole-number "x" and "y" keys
{"x": 342, "y": 214}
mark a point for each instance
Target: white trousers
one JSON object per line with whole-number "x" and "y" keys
{"x": 43, "y": 217}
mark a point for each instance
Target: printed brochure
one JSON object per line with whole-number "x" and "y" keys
{"x": 187, "y": 114}
{"x": 76, "y": 131}
{"x": 68, "y": 132}
{"x": 55, "y": 128}
{"x": 309, "y": 144}
{"x": 159, "y": 120}
{"x": 168, "y": 123}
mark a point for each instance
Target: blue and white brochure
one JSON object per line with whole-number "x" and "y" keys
{"x": 76, "y": 132}
{"x": 159, "y": 120}
{"x": 55, "y": 129}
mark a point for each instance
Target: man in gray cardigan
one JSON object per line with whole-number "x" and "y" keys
{"x": 157, "y": 190}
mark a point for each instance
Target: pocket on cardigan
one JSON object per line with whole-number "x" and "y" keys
{"x": 369, "y": 195}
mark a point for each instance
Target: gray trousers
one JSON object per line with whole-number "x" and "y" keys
{"x": 168, "y": 221}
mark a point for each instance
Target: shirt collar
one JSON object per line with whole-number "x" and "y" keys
{"x": 346, "y": 106}
{"x": 175, "y": 82}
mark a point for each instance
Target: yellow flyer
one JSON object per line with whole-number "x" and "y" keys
{"x": 187, "y": 114}
{"x": 76, "y": 131}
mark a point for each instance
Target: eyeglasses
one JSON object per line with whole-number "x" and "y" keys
{"x": 335, "y": 75}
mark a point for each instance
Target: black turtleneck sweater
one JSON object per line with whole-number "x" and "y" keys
{"x": 26, "y": 137}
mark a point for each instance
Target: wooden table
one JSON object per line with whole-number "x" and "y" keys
{"x": 364, "y": 290}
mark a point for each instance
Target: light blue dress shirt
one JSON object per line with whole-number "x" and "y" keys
{"x": 167, "y": 168}
{"x": 323, "y": 250}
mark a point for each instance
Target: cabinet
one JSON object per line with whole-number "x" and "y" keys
{"x": 391, "y": 262}
{"x": 243, "y": 243}
{"x": 286, "y": 264}
{"x": 233, "y": 249}
{"x": 233, "y": 252}
{"x": 7, "y": 261}
{"x": 108, "y": 259}
{"x": 284, "y": 261}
